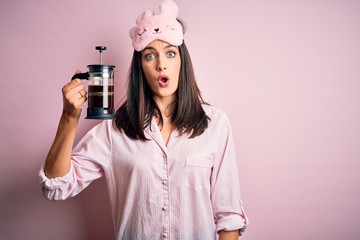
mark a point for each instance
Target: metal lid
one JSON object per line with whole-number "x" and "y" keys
{"x": 101, "y": 68}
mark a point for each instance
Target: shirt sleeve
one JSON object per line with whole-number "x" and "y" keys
{"x": 228, "y": 209}
{"x": 89, "y": 159}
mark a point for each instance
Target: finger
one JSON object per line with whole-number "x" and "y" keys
{"x": 76, "y": 89}
{"x": 71, "y": 90}
{"x": 83, "y": 92}
{"x": 78, "y": 95}
{"x": 75, "y": 94}
{"x": 77, "y": 103}
{"x": 73, "y": 82}
{"x": 76, "y": 72}
{"x": 82, "y": 100}
{"x": 74, "y": 101}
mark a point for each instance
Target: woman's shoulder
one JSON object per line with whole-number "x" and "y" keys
{"x": 211, "y": 110}
{"x": 215, "y": 113}
{"x": 219, "y": 123}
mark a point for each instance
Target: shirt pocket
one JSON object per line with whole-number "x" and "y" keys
{"x": 198, "y": 172}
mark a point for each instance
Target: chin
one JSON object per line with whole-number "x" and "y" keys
{"x": 167, "y": 94}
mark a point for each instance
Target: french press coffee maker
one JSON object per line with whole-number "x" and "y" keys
{"x": 100, "y": 89}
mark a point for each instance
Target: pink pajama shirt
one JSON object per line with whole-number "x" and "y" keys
{"x": 187, "y": 189}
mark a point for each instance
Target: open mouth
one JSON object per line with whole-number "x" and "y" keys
{"x": 163, "y": 80}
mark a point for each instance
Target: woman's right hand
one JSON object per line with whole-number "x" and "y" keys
{"x": 74, "y": 96}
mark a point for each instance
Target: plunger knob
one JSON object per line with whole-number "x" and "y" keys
{"x": 100, "y": 49}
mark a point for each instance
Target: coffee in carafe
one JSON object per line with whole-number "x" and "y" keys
{"x": 101, "y": 96}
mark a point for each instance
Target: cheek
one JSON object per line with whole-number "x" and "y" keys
{"x": 146, "y": 69}
{"x": 177, "y": 68}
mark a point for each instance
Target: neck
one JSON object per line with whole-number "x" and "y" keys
{"x": 166, "y": 106}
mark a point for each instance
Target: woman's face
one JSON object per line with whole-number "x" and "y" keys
{"x": 161, "y": 65}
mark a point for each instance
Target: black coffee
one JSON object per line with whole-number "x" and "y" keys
{"x": 101, "y": 96}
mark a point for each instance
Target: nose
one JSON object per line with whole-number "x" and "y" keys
{"x": 161, "y": 66}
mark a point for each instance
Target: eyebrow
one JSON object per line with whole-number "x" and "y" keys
{"x": 152, "y": 48}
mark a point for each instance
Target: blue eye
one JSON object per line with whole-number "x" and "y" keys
{"x": 171, "y": 54}
{"x": 149, "y": 56}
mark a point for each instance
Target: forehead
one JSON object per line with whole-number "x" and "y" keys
{"x": 159, "y": 45}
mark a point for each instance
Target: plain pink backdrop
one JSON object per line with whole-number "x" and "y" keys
{"x": 286, "y": 72}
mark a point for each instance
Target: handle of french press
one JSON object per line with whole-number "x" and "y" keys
{"x": 81, "y": 76}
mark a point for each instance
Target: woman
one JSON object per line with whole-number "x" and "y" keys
{"x": 168, "y": 158}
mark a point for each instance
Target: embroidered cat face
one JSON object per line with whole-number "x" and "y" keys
{"x": 162, "y": 26}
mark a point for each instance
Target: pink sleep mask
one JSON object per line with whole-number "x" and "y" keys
{"x": 162, "y": 26}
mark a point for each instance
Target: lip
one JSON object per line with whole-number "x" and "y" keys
{"x": 163, "y": 81}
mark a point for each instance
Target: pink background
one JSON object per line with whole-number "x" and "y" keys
{"x": 286, "y": 72}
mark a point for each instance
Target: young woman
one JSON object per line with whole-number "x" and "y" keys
{"x": 168, "y": 158}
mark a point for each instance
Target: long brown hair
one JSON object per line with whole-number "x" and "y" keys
{"x": 136, "y": 112}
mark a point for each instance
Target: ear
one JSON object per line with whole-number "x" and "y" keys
{"x": 145, "y": 14}
{"x": 169, "y": 8}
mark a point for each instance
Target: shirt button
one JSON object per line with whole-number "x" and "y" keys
{"x": 164, "y": 209}
{"x": 164, "y": 235}
{"x": 164, "y": 182}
